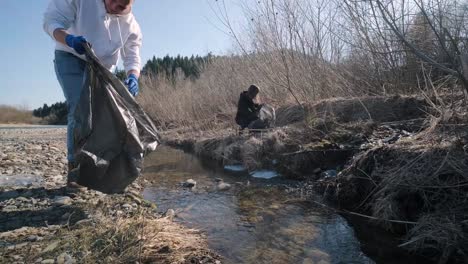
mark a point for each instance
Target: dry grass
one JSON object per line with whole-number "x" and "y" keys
{"x": 254, "y": 151}
{"x": 207, "y": 103}
{"x": 422, "y": 180}
{"x": 299, "y": 52}
{"x": 210, "y": 102}
{"x": 110, "y": 236}
{"x": 442, "y": 234}
{"x": 118, "y": 240}
{"x": 16, "y": 115}
{"x": 297, "y": 61}
{"x": 137, "y": 239}
{"x": 251, "y": 153}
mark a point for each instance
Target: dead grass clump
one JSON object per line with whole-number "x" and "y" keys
{"x": 135, "y": 239}
{"x": 275, "y": 141}
{"x": 413, "y": 181}
{"x": 224, "y": 149}
{"x": 376, "y": 108}
{"x": 254, "y": 151}
{"x": 208, "y": 148}
{"x": 251, "y": 153}
{"x": 260, "y": 151}
{"x": 118, "y": 237}
{"x": 289, "y": 114}
{"x": 119, "y": 241}
{"x": 232, "y": 152}
{"x": 441, "y": 232}
{"x": 13, "y": 115}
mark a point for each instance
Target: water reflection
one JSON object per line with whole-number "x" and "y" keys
{"x": 255, "y": 221}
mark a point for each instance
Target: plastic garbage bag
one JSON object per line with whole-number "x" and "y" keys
{"x": 112, "y": 132}
{"x": 268, "y": 115}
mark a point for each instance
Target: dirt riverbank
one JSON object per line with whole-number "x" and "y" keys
{"x": 42, "y": 221}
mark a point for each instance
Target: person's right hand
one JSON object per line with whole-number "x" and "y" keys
{"x": 76, "y": 42}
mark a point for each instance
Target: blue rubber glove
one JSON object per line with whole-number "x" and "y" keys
{"x": 76, "y": 42}
{"x": 132, "y": 84}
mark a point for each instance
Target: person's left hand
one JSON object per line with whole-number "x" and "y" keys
{"x": 132, "y": 84}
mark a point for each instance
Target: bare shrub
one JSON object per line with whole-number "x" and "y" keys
{"x": 302, "y": 51}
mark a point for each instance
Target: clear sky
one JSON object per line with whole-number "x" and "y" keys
{"x": 171, "y": 27}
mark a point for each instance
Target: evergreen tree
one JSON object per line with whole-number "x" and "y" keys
{"x": 191, "y": 67}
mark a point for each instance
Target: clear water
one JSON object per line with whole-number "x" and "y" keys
{"x": 256, "y": 220}
{"x": 264, "y": 174}
{"x": 20, "y": 180}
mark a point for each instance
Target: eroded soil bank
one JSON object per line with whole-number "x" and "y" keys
{"x": 398, "y": 162}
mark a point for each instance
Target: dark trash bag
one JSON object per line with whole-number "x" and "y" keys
{"x": 112, "y": 132}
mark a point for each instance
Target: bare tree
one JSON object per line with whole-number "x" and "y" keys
{"x": 445, "y": 20}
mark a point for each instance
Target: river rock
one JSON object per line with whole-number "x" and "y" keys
{"x": 51, "y": 247}
{"x": 61, "y": 200}
{"x": 134, "y": 193}
{"x": 134, "y": 198}
{"x": 127, "y": 207}
{"x": 84, "y": 222}
{"x": 54, "y": 149}
{"x": 65, "y": 216}
{"x": 222, "y": 186}
{"x": 64, "y": 258}
{"x": 190, "y": 183}
{"x": 9, "y": 208}
{"x": 22, "y": 199}
{"x": 33, "y": 238}
{"x": 170, "y": 214}
{"x": 32, "y": 147}
{"x": 22, "y": 245}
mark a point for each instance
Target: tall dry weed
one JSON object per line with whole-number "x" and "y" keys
{"x": 16, "y": 115}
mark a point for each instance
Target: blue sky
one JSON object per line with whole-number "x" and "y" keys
{"x": 171, "y": 27}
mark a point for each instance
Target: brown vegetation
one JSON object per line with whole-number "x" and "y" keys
{"x": 301, "y": 51}
{"x": 420, "y": 181}
{"x": 108, "y": 236}
{"x": 381, "y": 82}
{"x": 405, "y": 170}
{"x": 15, "y": 115}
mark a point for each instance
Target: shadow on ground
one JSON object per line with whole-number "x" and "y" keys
{"x": 40, "y": 213}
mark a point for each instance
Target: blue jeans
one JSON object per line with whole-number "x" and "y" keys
{"x": 70, "y": 71}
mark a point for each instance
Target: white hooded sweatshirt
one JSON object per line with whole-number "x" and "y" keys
{"x": 108, "y": 34}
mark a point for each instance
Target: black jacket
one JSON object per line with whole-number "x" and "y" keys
{"x": 247, "y": 110}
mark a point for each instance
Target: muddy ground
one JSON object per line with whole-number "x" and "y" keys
{"x": 42, "y": 221}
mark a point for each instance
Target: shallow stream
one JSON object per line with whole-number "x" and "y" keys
{"x": 255, "y": 220}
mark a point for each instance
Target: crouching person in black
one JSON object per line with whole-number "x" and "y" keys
{"x": 248, "y": 112}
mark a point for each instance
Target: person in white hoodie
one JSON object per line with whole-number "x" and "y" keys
{"x": 109, "y": 27}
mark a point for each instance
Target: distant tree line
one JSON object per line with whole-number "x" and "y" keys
{"x": 191, "y": 67}
{"x": 171, "y": 67}
{"x": 55, "y": 114}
